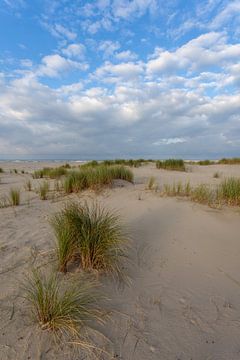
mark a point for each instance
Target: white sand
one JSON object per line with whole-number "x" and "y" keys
{"x": 184, "y": 299}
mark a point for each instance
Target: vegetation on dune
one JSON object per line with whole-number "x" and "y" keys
{"x": 65, "y": 310}
{"x": 230, "y": 161}
{"x": 229, "y": 191}
{"x": 95, "y": 177}
{"x": 1, "y": 170}
{"x": 205, "y": 162}
{"x": 226, "y": 193}
{"x": 14, "y": 197}
{"x": 28, "y": 185}
{"x": 43, "y": 190}
{"x": 52, "y": 173}
{"x": 171, "y": 164}
{"x": 90, "y": 235}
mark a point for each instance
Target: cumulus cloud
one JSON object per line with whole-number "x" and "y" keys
{"x": 74, "y": 51}
{"x": 55, "y": 65}
{"x": 207, "y": 50}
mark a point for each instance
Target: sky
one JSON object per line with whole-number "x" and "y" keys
{"x": 119, "y": 78}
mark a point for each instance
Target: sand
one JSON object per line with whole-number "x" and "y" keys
{"x": 183, "y": 302}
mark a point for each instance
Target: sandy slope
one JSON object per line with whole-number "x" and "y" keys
{"x": 184, "y": 298}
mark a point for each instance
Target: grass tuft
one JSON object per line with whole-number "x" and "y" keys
{"x": 91, "y": 235}
{"x": 43, "y": 190}
{"x": 229, "y": 191}
{"x": 151, "y": 183}
{"x": 28, "y": 185}
{"x": 64, "y": 311}
{"x": 95, "y": 177}
{"x": 171, "y": 164}
{"x": 14, "y": 197}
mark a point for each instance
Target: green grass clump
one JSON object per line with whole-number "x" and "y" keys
{"x": 64, "y": 311}
{"x": 230, "y": 161}
{"x": 91, "y": 235}
{"x": 43, "y": 190}
{"x": 229, "y": 191}
{"x": 1, "y": 170}
{"x": 171, "y": 164}
{"x": 95, "y": 177}
{"x": 205, "y": 162}
{"x": 14, "y": 197}
{"x": 52, "y": 173}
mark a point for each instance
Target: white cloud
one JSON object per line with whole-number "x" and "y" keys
{"x": 126, "y": 55}
{"x": 210, "y": 49}
{"x": 74, "y": 51}
{"x": 108, "y": 47}
{"x": 55, "y": 65}
{"x": 169, "y": 141}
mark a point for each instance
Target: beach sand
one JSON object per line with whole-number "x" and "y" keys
{"x": 183, "y": 301}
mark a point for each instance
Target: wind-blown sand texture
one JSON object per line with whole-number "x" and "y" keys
{"x": 184, "y": 299}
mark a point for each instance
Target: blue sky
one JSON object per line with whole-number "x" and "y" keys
{"x": 111, "y": 78}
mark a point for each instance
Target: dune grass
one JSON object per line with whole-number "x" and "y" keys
{"x": 229, "y": 191}
{"x": 205, "y": 162}
{"x": 171, "y": 164}
{"x": 52, "y": 173}
{"x": 90, "y": 235}
{"x": 28, "y": 185}
{"x": 229, "y": 161}
{"x": 151, "y": 184}
{"x": 225, "y": 193}
{"x": 14, "y": 197}
{"x": 95, "y": 177}
{"x": 65, "y": 311}
{"x": 43, "y": 190}
{"x": 1, "y": 170}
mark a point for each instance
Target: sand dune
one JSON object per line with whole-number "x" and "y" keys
{"x": 184, "y": 298}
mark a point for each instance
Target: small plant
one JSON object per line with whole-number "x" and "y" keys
{"x": 1, "y": 170}
{"x": 28, "y": 185}
{"x": 90, "y": 234}
{"x": 151, "y": 183}
{"x": 216, "y": 175}
{"x": 43, "y": 190}
{"x": 64, "y": 311}
{"x": 14, "y": 197}
{"x": 15, "y": 171}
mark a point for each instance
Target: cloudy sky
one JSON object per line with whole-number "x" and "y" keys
{"x": 119, "y": 78}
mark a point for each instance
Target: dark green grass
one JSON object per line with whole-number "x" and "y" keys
{"x": 90, "y": 235}
{"x": 1, "y": 170}
{"x": 171, "y": 164}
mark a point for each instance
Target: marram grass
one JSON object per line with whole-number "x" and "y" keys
{"x": 43, "y": 190}
{"x": 91, "y": 235}
{"x": 65, "y": 309}
{"x": 14, "y": 197}
{"x": 95, "y": 177}
{"x": 225, "y": 193}
{"x": 171, "y": 164}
